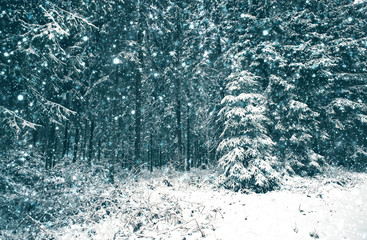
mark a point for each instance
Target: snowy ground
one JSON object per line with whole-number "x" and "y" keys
{"x": 329, "y": 207}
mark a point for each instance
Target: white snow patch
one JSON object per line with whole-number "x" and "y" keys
{"x": 193, "y": 207}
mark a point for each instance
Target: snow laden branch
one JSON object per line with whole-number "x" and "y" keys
{"x": 77, "y": 18}
{"x": 59, "y": 24}
{"x": 56, "y": 111}
{"x": 15, "y": 121}
{"x": 94, "y": 85}
{"x": 129, "y": 55}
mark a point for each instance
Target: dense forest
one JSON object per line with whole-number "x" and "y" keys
{"x": 259, "y": 89}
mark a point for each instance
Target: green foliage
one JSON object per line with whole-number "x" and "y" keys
{"x": 246, "y": 150}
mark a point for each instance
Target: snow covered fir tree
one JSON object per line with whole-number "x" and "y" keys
{"x": 105, "y": 101}
{"x": 247, "y": 154}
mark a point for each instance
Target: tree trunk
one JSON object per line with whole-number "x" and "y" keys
{"x": 160, "y": 157}
{"x": 99, "y": 150}
{"x": 91, "y": 143}
{"x": 137, "y": 143}
{"x": 179, "y": 124}
{"x": 76, "y": 144}
{"x": 138, "y": 97}
{"x": 195, "y": 153}
{"x": 178, "y": 89}
{"x": 111, "y": 175}
{"x": 85, "y": 139}
{"x": 188, "y": 160}
{"x": 124, "y": 161}
{"x": 199, "y": 152}
{"x": 151, "y": 153}
{"x": 53, "y": 161}
{"x": 35, "y": 137}
{"x": 66, "y": 142}
{"x": 50, "y": 146}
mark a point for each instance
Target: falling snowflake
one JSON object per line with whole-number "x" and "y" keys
{"x": 116, "y": 61}
{"x": 20, "y": 97}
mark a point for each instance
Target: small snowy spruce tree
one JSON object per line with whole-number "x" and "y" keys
{"x": 246, "y": 150}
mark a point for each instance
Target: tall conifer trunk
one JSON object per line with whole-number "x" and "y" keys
{"x": 90, "y": 153}
{"x": 138, "y": 86}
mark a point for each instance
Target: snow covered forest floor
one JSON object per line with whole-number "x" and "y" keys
{"x": 170, "y": 205}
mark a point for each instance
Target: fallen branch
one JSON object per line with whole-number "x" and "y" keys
{"x": 35, "y": 221}
{"x": 218, "y": 211}
{"x": 39, "y": 225}
{"x": 202, "y": 233}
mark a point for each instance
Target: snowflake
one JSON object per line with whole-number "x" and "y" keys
{"x": 116, "y": 61}
{"x": 20, "y": 97}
